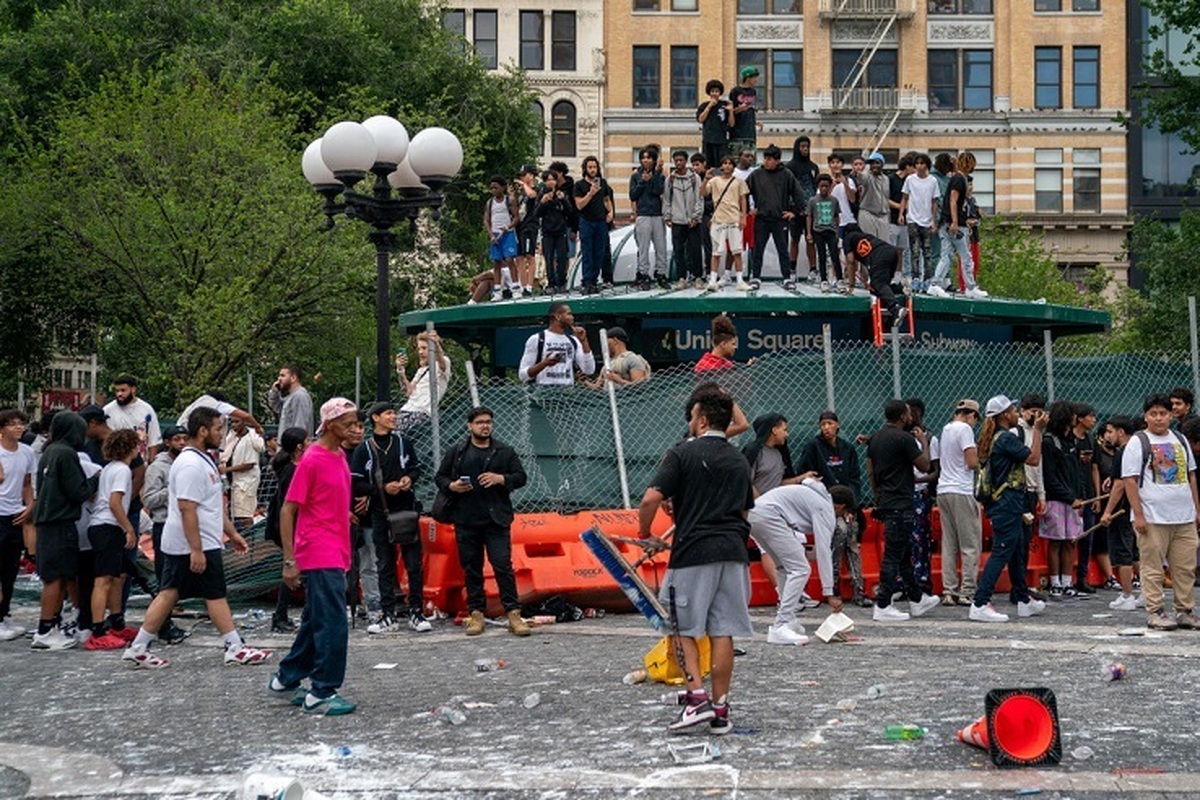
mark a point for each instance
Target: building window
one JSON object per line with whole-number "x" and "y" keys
{"x": 1086, "y": 77}
{"x": 1085, "y": 5}
{"x": 562, "y": 41}
{"x": 539, "y": 111}
{"x": 960, "y": 6}
{"x": 646, "y": 82}
{"x": 1048, "y": 181}
{"x": 485, "y": 37}
{"x": 1169, "y": 169}
{"x": 1087, "y": 180}
{"x": 685, "y": 5}
{"x": 881, "y": 73}
{"x": 533, "y": 40}
{"x": 645, "y": 5}
{"x": 1047, "y": 5}
{"x": 455, "y": 21}
{"x": 1047, "y": 67}
{"x": 760, "y": 7}
{"x": 562, "y": 129}
{"x": 780, "y": 72}
{"x": 683, "y": 76}
{"x": 983, "y": 180}
{"x": 947, "y": 91}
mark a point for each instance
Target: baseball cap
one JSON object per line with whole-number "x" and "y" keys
{"x": 529, "y": 169}
{"x": 998, "y": 405}
{"x": 333, "y": 408}
{"x": 877, "y": 157}
{"x": 619, "y": 334}
{"x": 967, "y": 404}
{"x": 748, "y": 72}
{"x": 171, "y": 431}
{"x": 827, "y": 415}
{"x": 380, "y": 407}
{"x": 93, "y": 412}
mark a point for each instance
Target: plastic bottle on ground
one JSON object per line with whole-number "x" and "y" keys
{"x": 449, "y": 714}
{"x": 634, "y": 676}
{"x": 531, "y": 700}
{"x": 676, "y": 698}
{"x": 906, "y": 732}
{"x": 1113, "y": 671}
{"x": 875, "y": 692}
{"x": 490, "y": 664}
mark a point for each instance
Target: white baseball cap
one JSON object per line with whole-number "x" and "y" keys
{"x": 998, "y": 405}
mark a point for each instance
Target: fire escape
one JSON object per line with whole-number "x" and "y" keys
{"x": 855, "y": 96}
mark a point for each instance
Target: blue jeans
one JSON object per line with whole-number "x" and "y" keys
{"x": 1006, "y": 552}
{"x": 955, "y": 245}
{"x": 592, "y": 235}
{"x": 319, "y": 651}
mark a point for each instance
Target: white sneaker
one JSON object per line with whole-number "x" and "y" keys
{"x": 1031, "y": 608}
{"x": 10, "y": 631}
{"x": 54, "y": 639}
{"x": 782, "y": 634}
{"x": 1124, "y": 602}
{"x": 936, "y": 291}
{"x": 381, "y": 626}
{"x": 742, "y": 286}
{"x": 797, "y": 627}
{"x": 824, "y": 286}
{"x": 1139, "y": 601}
{"x": 926, "y": 602}
{"x": 986, "y": 614}
{"x": 419, "y": 624}
{"x": 976, "y": 293}
{"x": 713, "y": 285}
{"x": 808, "y": 602}
{"x": 889, "y": 614}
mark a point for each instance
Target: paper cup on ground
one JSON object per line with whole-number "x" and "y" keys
{"x": 835, "y": 626}
{"x": 263, "y": 786}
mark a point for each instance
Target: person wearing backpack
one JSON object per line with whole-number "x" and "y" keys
{"x": 1158, "y": 470}
{"x": 1002, "y": 481}
{"x": 551, "y": 356}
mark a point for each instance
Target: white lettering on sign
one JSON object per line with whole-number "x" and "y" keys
{"x": 755, "y": 339}
{"x": 944, "y": 342}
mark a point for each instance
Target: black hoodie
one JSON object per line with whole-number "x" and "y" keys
{"x": 805, "y": 170}
{"x": 836, "y": 464}
{"x": 62, "y": 486}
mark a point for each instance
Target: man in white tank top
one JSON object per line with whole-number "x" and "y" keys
{"x": 500, "y": 221}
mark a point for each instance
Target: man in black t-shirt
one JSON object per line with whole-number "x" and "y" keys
{"x": 1122, "y": 543}
{"x": 891, "y": 455}
{"x": 953, "y": 231}
{"x": 881, "y": 260}
{"x": 744, "y": 98}
{"x": 707, "y": 585}
{"x": 716, "y": 118}
{"x": 595, "y": 206}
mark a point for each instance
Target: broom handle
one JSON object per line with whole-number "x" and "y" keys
{"x": 1099, "y": 525}
{"x": 646, "y": 556}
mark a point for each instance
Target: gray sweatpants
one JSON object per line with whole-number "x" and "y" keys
{"x": 777, "y": 539}
{"x": 649, "y": 231}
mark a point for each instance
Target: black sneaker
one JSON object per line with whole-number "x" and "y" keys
{"x": 692, "y": 715}
{"x": 282, "y": 625}
{"x": 720, "y": 725}
{"x": 173, "y": 634}
{"x": 506, "y": 294}
{"x": 1083, "y": 588}
{"x": 527, "y": 293}
{"x": 662, "y": 282}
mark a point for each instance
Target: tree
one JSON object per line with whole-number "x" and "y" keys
{"x": 1169, "y": 255}
{"x": 1173, "y": 104}
{"x": 176, "y": 206}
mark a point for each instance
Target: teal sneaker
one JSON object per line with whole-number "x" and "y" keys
{"x": 333, "y": 706}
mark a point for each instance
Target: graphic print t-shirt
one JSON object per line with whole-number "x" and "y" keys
{"x": 1165, "y": 492}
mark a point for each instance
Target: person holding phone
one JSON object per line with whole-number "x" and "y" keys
{"x": 551, "y": 356}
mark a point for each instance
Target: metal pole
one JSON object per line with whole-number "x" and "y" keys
{"x": 616, "y": 421}
{"x": 250, "y": 393}
{"x": 384, "y": 241}
{"x": 896, "y": 394}
{"x": 95, "y": 377}
{"x": 358, "y": 381}
{"x": 472, "y": 382}
{"x": 1195, "y": 348}
{"x": 826, "y": 332}
{"x": 21, "y": 395}
{"x": 435, "y": 353}
{"x": 1048, "y": 349}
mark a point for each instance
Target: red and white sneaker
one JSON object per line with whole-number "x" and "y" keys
{"x": 246, "y": 655}
{"x": 141, "y": 658}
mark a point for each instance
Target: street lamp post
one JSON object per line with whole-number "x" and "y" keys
{"x": 417, "y": 171}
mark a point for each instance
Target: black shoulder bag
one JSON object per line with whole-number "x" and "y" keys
{"x": 403, "y": 526}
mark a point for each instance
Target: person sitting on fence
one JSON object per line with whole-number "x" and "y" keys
{"x": 481, "y": 287}
{"x": 625, "y": 367}
{"x": 551, "y": 356}
{"x": 419, "y": 407}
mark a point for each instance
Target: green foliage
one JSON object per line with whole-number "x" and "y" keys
{"x": 1016, "y": 264}
{"x": 181, "y": 207}
{"x": 1173, "y": 106}
{"x": 1169, "y": 255}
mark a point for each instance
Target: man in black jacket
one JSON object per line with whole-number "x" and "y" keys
{"x": 62, "y": 489}
{"x": 480, "y": 473}
{"x": 806, "y": 172}
{"x": 383, "y": 469}
{"x": 776, "y": 197}
{"x": 833, "y": 458}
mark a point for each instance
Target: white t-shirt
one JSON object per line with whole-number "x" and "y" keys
{"x": 90, "y": 468}
{"x": 956, "y": 477}
{"x": 115, "y": 477}
{"x": 921, "y": 194}
{"x": 418, "y": 401}
{"x": 137, "y": 416}
{"x": 224, "y": 409}
{"x": 194, "y": 477}
{"x": 17, "y": 464}
{"x": 1165, "y": 492}
{"x": 562, "y": 373}
{"x": 935, "y": 451}
{"x": 839, "y": 193}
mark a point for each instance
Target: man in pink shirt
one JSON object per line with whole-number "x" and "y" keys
{"x": 314, "y": 525}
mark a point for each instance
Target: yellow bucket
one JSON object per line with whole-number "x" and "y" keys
{"x": 661, "y": 665}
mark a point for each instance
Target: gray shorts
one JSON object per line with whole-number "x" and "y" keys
{"x": 711, "y": 599}
{"x": 899, "y": 236}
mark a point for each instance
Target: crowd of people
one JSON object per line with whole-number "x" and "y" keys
{"x": 1115, "y": 499}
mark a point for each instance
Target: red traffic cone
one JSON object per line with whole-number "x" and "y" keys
{"x": 975, "y": 733}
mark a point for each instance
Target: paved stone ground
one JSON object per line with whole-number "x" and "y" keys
{"x": 78, "y": 724}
